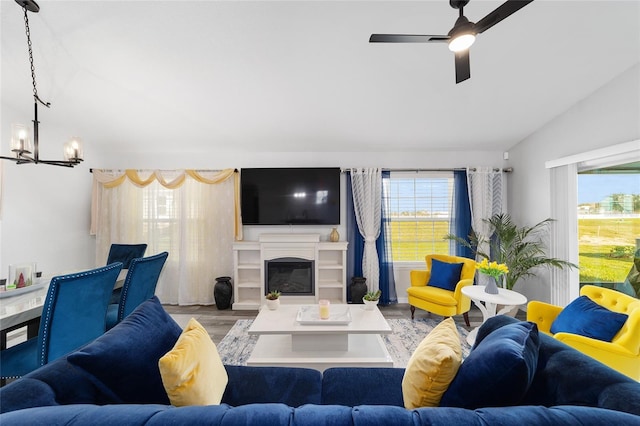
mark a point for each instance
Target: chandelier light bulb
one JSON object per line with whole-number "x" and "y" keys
{"x": 20, "y": 141}
{"x": 73, "y": 150}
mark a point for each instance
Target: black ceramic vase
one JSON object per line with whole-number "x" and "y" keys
{"x": 358, "y": 289}
{"x": 223, "y": 292}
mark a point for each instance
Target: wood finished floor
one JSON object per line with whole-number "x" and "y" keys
{"x": 219, "y": 322}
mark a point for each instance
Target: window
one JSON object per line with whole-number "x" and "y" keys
{"x": 420, "y": 206}
{"x": 608, "y": 222}
{"x": 160, "y": 216}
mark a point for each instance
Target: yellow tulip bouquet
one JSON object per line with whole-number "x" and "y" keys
{"x": 495, "y": 270}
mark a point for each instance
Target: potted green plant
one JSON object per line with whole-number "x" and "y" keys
{"x": 520, "y": 248}
{"x": 273, "y": 300}
{"x": 371, "y": 299}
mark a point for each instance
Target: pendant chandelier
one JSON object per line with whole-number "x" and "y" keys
{"x": 24, "y": 150}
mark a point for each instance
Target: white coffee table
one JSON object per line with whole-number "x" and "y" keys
{"x": 508, "y": 298}
{"x": 283, "y": 341}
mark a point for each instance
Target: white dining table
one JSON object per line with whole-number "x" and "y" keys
{"x": 25, "y": 307}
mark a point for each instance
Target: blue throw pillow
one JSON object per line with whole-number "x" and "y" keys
{"x": 444, "y": 275}
{"x": 125, "y": 359}
{"x": 497, "y": 372}
{"x": 586, "y": 318}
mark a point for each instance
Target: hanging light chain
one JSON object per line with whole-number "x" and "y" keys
{"x": 33, "y": 68}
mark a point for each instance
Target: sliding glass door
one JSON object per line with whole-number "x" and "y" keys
{"x": 609, "y": 225}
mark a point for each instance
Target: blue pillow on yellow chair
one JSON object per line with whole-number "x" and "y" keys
{"x": 445, "y": 275}
{"x": 586, "y": 318}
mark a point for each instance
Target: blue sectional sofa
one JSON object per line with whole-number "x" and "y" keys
{"x": 115, "y": 380}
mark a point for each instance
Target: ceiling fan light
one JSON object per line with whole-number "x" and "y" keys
{"x": 461, "y": 42}
{"x": 462, "y": 35}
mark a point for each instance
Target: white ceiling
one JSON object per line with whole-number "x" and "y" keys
{"x": 301, "y": 75}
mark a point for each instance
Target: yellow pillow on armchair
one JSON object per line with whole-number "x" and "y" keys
{"x": 192, "y": 372}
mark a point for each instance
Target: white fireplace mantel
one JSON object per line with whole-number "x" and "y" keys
{"x": 249, "y": 267}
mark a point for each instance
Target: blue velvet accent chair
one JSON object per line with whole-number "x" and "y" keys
{"x": 72, "y": 315}
{"x": 139, "y": 285}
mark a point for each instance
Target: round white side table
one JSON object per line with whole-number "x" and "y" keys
{"x": 487, "y": 303}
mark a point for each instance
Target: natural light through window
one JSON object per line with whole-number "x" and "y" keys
{"x": 608, "y": 223}
{"x": 159, "y": 212}
{"x": 420, "y": 205}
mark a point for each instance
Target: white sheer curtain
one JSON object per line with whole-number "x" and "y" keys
{"x": 366, "y": 184}
{"x": 487, "y": 191}
{"x": 192, "y": 220}
{"x": 565, "y": 282}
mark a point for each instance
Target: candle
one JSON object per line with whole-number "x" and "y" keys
{"x": 324, "y": 306}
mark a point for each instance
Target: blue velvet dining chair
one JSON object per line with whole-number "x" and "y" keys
{"x": 125, "y": 253}
{"x": 72, "y": 315}
{"x": 139, "y": 285}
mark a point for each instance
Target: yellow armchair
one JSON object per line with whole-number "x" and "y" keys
{"x": 623, "y": 352}
{"x": 437, "y": 300}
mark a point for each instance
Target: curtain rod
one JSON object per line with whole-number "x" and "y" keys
{"x": 146, "y": 170}
{"x": 473, "y": 169}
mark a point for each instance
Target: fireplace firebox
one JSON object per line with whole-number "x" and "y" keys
{"x": 291, "y": 276}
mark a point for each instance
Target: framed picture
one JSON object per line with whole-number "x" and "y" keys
{"x": 21, "y": 275}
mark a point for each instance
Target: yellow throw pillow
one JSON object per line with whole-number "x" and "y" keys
{"x": 432, "y": 366}
{"x": 192, "y": 372}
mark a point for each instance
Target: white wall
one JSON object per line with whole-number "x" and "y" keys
{"x": 611, "y": 115}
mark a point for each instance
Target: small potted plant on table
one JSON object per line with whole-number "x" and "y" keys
{"x": 273, "y": 300}
{"x": 371, "y": 299}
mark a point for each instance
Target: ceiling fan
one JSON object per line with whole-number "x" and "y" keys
{"x": 461, "y": 36}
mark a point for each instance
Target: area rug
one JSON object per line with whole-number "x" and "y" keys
{"x": 236, "y": 347}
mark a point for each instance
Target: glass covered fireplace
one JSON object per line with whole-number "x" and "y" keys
{"x": 290, "y": 276}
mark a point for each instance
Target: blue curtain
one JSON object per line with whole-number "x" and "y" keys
{"x": 460, "y": 225}
{"x": 355, "y": 249}
{"x": 383, "y": 245}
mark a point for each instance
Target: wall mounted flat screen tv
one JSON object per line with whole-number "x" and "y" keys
{"x": 290, "y": 196}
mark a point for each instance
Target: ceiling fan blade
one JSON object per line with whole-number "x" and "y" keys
{"x": 503, "y": 11}
{"x": 406, "y": 38}
{"x": 463, "y": 68}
